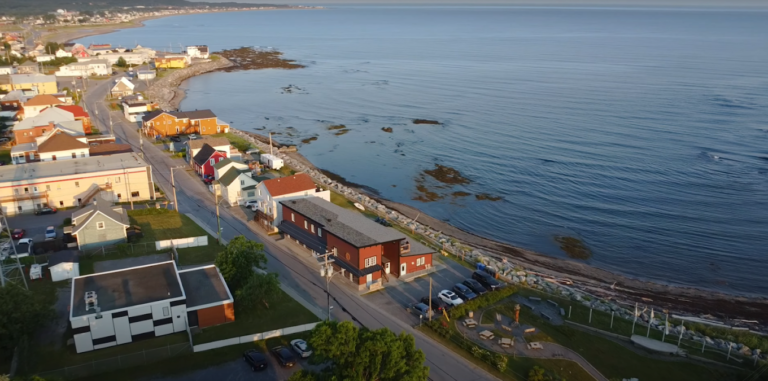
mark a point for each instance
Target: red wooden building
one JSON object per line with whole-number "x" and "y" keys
{"x": 205, "y": 159}
{"x": 363, "y": 251}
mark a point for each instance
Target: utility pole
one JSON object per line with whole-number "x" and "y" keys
{"x": 430, "y": 298}
{"x": 217, "y": 190}
{"x": 128, "y": 184}
{"x": 328, "y": 274}
{"x": 173, "y": 185}
{"x": 270, "y": 143}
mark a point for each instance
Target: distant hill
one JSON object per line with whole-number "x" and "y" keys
{"x": 39, "y": 7}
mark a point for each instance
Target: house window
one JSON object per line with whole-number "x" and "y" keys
{"x": 100, "y": 225}
{"x": 61, "y": 203}
{"x": 305, "y": 225}
{"x": 293, "y": 218}
{"x": 312, "y": 228}
{"x": 259, "y": 192}
{"x": 16, "y": 191}
{"x": 34, "y": 189}
{"x": 26, "y": 190}
{"x": 370, "y": 261}
{"x": 47, "y": 188}
{"x": 134, "y": 194}
{"x": 319, "y": 232}
{"x": 82, "y": 154}
{"x": 213, "y": 161}
{"x": 117, "y": 180}
{"x": 166, "y": 311}
{"x": 250, "y": 194}
{"x": 77, "y": 183}
{"x": 420, "y": 261}
{"x": 242, "y": 182}
{"x": 74, "y": 155}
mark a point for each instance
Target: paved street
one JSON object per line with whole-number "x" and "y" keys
{"x": 194, "y": 198}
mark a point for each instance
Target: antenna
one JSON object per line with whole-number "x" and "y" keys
{"x": 10, "y": 271}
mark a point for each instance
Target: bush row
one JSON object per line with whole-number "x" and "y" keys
{"x": 482, "y": 301}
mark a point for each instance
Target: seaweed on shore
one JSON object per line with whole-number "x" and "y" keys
{"x": 447, "y": 175}
{"x": 248, "y": 58}
{"x": 426, "y": 195}
{"x": 425, "y": 121}
{"x": 309, "y": 140}
{"x": 387, "y": 129}
{"x": 460, "y": 194}
{"x": 342, "y": 132}
{"x": 488, "y": 197}
{"x": 336, "y": 127}
{"x": 573, "y": 247}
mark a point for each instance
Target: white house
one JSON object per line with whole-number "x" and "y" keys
{"x": 62, "y": 53}
{"x": 146, "y": 74}
{"x": 122, "y": 306}
{"x": 60, "y": 145}
{"x": 134, "y": 107}
{"x": 270, "y": 192}
{"x": 220, "y": 168}
{"x": 85, "y": 69}
{"x": 218, "y": 144}
{"x": 64, "y": 265}
{"x": 7, "y": 70}
{"x": 198, "y": 51}
{"x": 237, "y": 186}
{"x": 45, "y": 57}
{"x": 38, "y": 103}
{"x": 112, "y": 58}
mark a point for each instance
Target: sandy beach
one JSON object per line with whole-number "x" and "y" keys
{"x": 597, "y": 281}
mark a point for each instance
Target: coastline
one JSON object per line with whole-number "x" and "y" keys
{"x": 601, "y": 282}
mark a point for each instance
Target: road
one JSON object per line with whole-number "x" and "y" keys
{"x": 194, "y": 198}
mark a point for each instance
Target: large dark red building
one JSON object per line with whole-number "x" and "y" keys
{"x": 364, "y": 251}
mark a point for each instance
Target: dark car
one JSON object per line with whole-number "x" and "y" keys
{"x": 464, "y": 292}
{"x": 255, "y": 359}
{"x": 486, "y": 280}
{"x": 133, "y": 233}
{"x": 475, "y": 286}
{"x": 383, "y": 221}
{"x": 18, "y": 233}
{"x": 420, "y": 309}
{"x": 284, "y": 356}
{"x": 176, "y": 139}
{"x": 437, "y": 304}
{"x": 45, "y": 210}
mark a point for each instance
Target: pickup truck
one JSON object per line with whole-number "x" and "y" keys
{"x": 23, "y": 249}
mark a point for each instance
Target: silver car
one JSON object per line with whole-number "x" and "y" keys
{"x": 50, "y": 232}
{"x": 301, "y": 348}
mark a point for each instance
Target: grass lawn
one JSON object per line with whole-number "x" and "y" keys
{"x": 194, "y": 361}
{"x": 237, "y": 141}
{"x": 199, "y": 254}
{"x": 5, "y": 156}
{"x": 164, "y": 224}
{"x": 286, "y": 312}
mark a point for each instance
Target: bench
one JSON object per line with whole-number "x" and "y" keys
{"x": 504, "y": 327}
{"x": 533, "y": 298}
{"x": 470, "y": 323}
{"x": 530, "y": 330}
{"x": 545, "y": 316}
{"x": 562, "y": 312}
{"x": 529, "y": 306}
{"x": 552, "y": 302}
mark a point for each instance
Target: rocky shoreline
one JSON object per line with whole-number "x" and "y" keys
{"x": 166, "y": 92}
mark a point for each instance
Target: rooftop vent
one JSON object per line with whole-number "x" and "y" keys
{"x": 91, "y": 301}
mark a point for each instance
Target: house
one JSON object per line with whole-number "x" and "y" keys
{"x": 28, "y": 67}
{"x": 220, "y": 168}
{"x": 64, "y": 265}
{"x": 45, "y": 57}
{"x": 38, "y": 103}
{"x": 99, "y": 224}
{"x": 205, "y": 159}
{"x": 198, "y": 51}
{"x": 194, "y": 146}
{"x": 169, "y": 62}
{"x": 146, "y": 75}
{"x": 5, "y": 70}
{"x": 66, "y": 183}
{"x": 42, "y": 84}
{"x": 41, "y": 149}
{"x": 269, "y": 193}
{"x": 13, "y": 100}
{"x": 62, "y": 146}
{"x": 29, "y": 129}
{"x": 363, "y": 251}
{"x": 109, "y": 149}
{"x": 168, "y": 123}
{"x": 119, "y": 307}
{"x": 100, "y": 46}
{"x": 79, "y": 114}
{"x": 113, "y": 57}
{"x": 62, "y": 53}
{"x": 237, "y": 185}
{"x": 85, "y": 69}
{"x": 122, "y": 88}
{"x": 135, "y": 107}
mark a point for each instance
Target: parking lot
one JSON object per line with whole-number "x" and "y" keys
{"x": 35, "y": 225}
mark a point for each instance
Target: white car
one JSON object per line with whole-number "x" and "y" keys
{"x": 450, "y": 298}
{"x": 50, "y": 232}
{"x": 301, "y": 347}
{"x": 251, "y": 204}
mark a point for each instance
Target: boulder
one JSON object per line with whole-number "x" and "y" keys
{"x": 744, "y": 350}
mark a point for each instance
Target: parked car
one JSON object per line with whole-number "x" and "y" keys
{"x": 50, "y": 232}
{"x": 301, "y": 347}
{"x": 475, "y": 286}
{"x": 176, "y": 139}
{"x": 18, "y": 233}
{"x": 255, "y": 359}
{"x": 437, "y": 304}
{"x": 450, "y": 298}
{"x": 464, "y": 292}
{"x": 192, "y": 136}
{"x": 284, "y": 356}
{"x": 420, "y": 309}
{"x": 252, "y": 203}
{"x": 383, "y": 222}
{"x": 486, "y": 280}
{"x": 45, "y": 210}
{"x": 208, "y": 179}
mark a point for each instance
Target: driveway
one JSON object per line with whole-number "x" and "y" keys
{"x": 35, "y": 225}
{"x": 238, "y": 370}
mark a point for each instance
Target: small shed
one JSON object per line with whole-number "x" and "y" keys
{"x": 271, "y": 161}
{"x": 64, "y": 265}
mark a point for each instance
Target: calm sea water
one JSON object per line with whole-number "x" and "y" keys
{"x": 644, "y": 132}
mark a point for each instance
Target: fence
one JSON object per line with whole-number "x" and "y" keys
{"x": 115, "y": 363}
{"x": 123, "y": 249}
{"x": 181, "y": 243}
{"x": 254, "y": 337}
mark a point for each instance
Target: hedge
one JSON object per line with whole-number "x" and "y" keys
{"x": 482, "y": 301}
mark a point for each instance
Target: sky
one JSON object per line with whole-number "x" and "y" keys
{"x": 620, "y": 3}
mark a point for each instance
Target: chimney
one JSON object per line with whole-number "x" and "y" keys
{"x": 50, "y": 124}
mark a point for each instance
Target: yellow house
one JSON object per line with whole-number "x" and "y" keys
{"x": 44, "y": 84}
{"x": 170, "y": 62}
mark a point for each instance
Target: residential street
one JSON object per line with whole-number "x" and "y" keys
{"x": 194, "y": 198}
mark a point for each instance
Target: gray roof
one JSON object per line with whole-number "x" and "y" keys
{"x": 204, "y": 154}
{"x": 83, "y": 217}
{"x": 64, "y": 256}
{"x": 213, "y": 142}
{"x": 49, "y": 115}
{"x": 41, "y": 170}
{"x": 204, "y": 286}
{"x": 231, "y": 175}
{"x": 194, "y": 115}
{"x": 31, "y": 78}
{"x": 350, "y": 226}
{"x": 127, "y": 288}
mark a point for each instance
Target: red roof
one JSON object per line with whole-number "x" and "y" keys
{"x": 291, "y": 184}
{"x": 76, "y": 111}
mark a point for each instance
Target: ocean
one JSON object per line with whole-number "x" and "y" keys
{"x": 642, "y": 132}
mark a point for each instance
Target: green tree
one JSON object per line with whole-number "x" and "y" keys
{"x": 536, "y": 374}
{"x": 49, "y": 18}
{"x": 6, "y": 46}
{"x": 121, "y": 62}
{"x": 22, "y": 312}
{"x": 238, "y": 260}
{"x": 258, "y": 288}
{"x": 362, "y": 354}
{"x": 302, "y": 375}
{"x": 51, "y": 47}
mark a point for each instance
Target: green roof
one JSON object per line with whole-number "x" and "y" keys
{"x": 222, "y": 163}
{"x": 231, "y": 175}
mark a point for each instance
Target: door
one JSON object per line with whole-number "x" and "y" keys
{"x": 386, "y": 267}
{"x": 402, "y": 269}
{"x": 369, "y": 279}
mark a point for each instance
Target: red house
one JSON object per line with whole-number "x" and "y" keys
{"x": 79, "y": 114}
{"x": 363, "y": 251}
{"x": 205, "y": 159}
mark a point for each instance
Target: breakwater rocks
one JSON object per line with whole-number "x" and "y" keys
{"x": 248, "y": 58}
{"x": 165, "y": 91}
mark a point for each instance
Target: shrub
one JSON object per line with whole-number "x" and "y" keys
{"x": 482, "y": 301}
{"x": 440, "y": 327}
